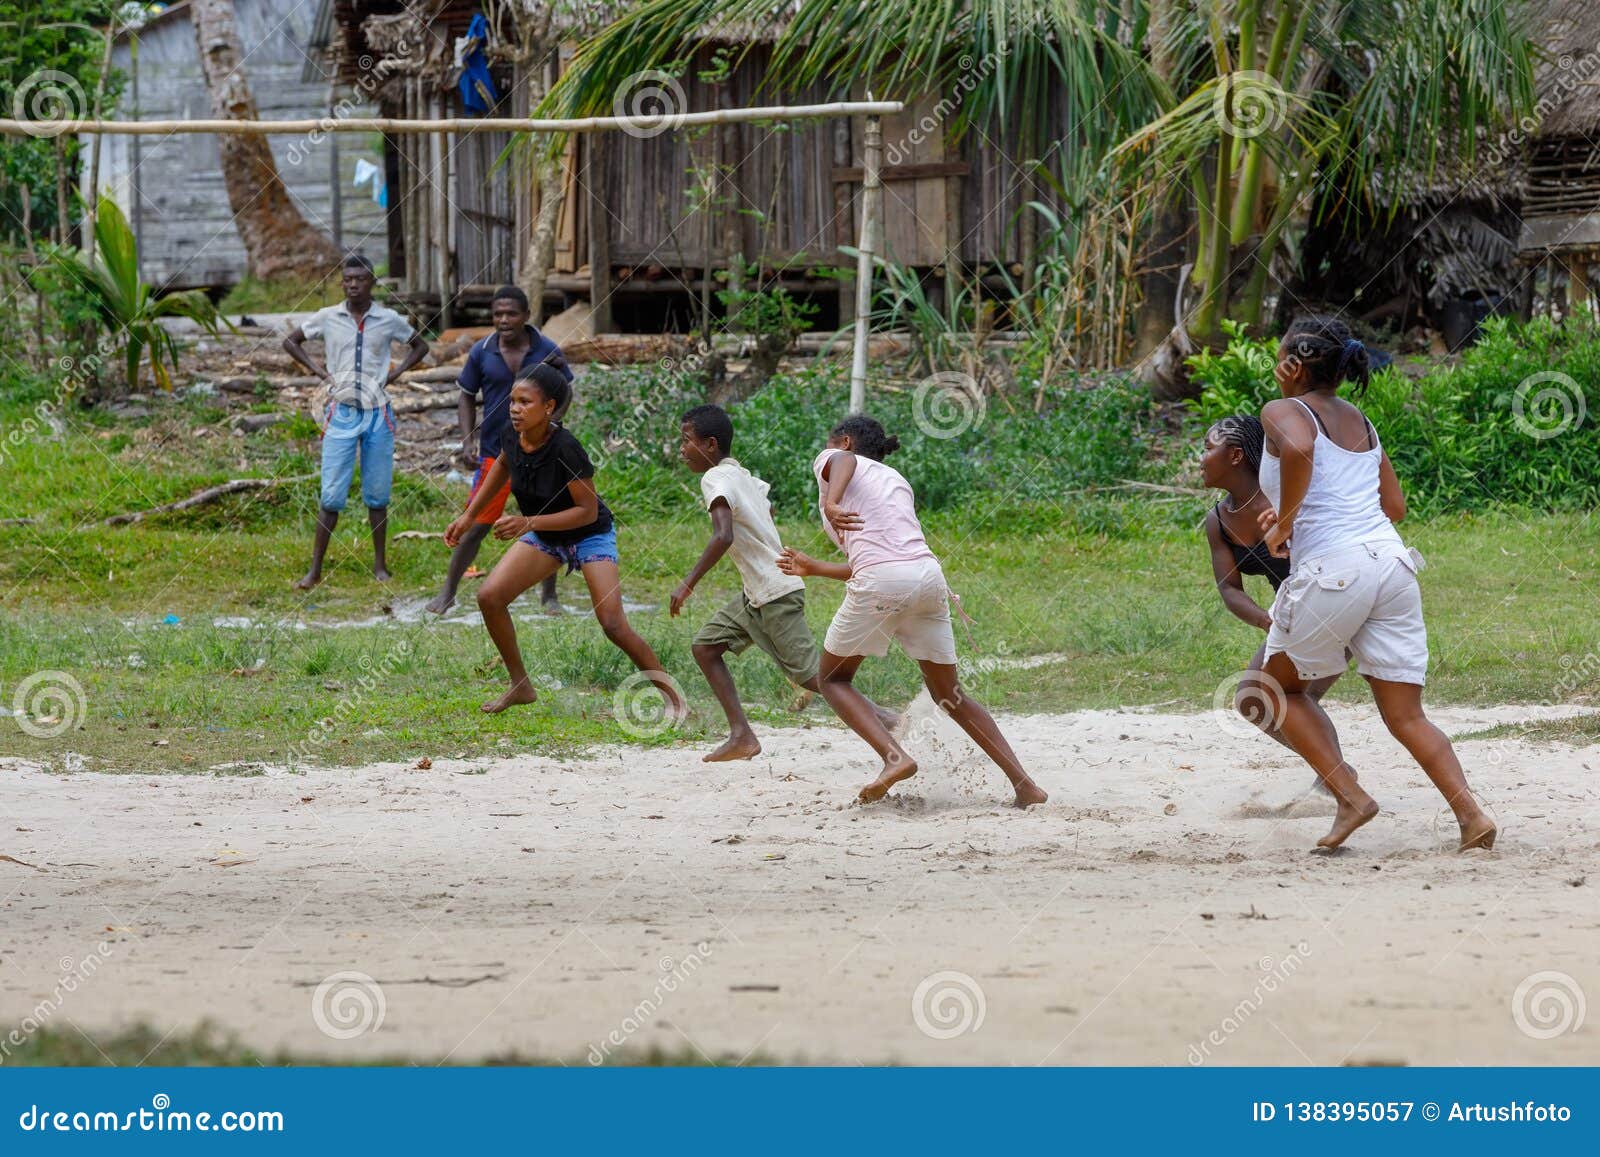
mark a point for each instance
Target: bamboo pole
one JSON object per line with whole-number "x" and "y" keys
{"x": 871, "y": 210}
{"x": 721, "y": 116}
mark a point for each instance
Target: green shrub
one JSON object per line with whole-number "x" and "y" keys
{"x": 1006, "y": 457}
{"x": 1512, "y": 423}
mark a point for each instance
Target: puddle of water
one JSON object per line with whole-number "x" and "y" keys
{"x": 409, "y": 612}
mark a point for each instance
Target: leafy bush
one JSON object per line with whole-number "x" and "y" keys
{"x": 1084, "y": 437}
{"x": 1512, "y": 423}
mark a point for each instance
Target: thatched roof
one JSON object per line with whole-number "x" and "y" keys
{"x": 1569, "y": 82}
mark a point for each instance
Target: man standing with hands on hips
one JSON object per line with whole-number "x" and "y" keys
{"x": 356, "y": 335}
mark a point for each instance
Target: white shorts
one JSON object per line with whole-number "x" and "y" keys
{"x": 1364, "y": 598}
{"x": 905, "y": 601}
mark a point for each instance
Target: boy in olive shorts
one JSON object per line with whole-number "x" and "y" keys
{"x": 771, "y": 609}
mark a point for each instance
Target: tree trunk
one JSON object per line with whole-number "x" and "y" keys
{"x": 1156, "y": 340}
{"x": 278, "y": 243}
{"x": 542, "y": 249}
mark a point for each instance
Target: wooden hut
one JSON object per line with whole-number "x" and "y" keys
{"x": 1560, "y": 206}
{"x": 633, "y": 239}
{"x": 171, "y": 187}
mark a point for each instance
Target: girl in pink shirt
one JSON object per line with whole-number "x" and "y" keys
{"x": 896, "y": 590}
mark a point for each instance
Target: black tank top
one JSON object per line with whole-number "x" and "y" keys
{"x": 1257, "y": 559}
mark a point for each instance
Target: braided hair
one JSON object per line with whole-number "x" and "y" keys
{"x": 1329, "y": 351}
{"x": 867, "y": 436}
{"x": 1242, "y": 432}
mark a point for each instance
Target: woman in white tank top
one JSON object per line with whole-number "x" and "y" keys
{"x": 1352, "y": 583}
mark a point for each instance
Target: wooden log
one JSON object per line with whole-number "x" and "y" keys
{"x": 204, "y": 497}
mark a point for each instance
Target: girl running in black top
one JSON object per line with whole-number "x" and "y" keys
{"x": 563, "y": 521}
{"x": 1230, "y": 462}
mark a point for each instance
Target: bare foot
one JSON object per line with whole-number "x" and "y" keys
{"x": 1346, "y": 820}
{"x": 553, "y": 607}
{"x": 311, "y": 579}
{"x": 891, "y": 720}
{"x": 441, "y": 603}
{"x": 878, "y": 788}
{"x": 1479, "y": 833}
{"x": 745, "y": 746}
{"x": 519, "y": 692}
{"x": 1030, "y": 793}
{"x": 381, "y": 574}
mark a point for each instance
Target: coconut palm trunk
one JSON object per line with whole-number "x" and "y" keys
{"x": 278, "y": 241}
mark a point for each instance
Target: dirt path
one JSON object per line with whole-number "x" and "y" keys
{"x": 1159, "y": 910}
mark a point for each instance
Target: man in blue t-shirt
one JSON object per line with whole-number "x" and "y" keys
{"x": 491, "y": 367}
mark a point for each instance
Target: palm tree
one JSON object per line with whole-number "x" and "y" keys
{"x": 126, "y": 307}
{"x": 278, "y": 242}
{"x": 1283, "y": 109}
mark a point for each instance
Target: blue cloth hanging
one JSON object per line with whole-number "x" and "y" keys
{"x": 478, "y": 94}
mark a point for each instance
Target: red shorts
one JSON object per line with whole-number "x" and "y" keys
{"x": 490, "y": 514}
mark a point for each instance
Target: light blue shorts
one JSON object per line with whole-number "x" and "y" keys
{"x": 352, "y": 431}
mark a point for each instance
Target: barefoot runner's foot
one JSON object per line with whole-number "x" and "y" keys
{"x": 1350, "y": 816}
{"x": 878, "y": 788}
{"x": 309, "y": 581}
{"x": 439, "y": 604}
{"x": 517, "y": 693}
{"x": 1030, "y": 793}
{"x": 1478, "y": 833}
{"x": 735, "y": 747}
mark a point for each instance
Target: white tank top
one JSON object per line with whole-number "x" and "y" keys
{"x": 1341, "y": 507}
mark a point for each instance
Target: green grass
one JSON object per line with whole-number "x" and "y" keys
{"x": 254, "y": 296}
{"x": 143, "y": 1046}
{"x": 1119, "y": 587}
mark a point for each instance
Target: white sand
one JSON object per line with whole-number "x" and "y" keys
{"x": 530, "y": 904}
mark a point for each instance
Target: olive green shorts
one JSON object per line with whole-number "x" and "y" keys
{"x": 778, "y": 628}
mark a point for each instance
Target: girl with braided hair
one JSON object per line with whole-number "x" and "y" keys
{"x": 1352, "y": 583}
{"x": 1231, "y": 462}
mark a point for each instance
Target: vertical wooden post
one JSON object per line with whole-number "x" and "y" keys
{"x": 441, "y": 218}
{"x": 871, "y": 231}
{"x": 594, "y": 176}
{"x": 1577, "y": 287}
{"x": 337, "y": 206}
{"x": 842, "y": 216}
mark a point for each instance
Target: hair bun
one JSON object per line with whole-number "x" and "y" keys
{"x": 890, "y": 444}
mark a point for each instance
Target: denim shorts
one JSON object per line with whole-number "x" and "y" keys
{"x": 354, "y": 432}
{"x": 600, "y": 547}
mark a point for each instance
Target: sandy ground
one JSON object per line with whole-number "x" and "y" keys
{"x": 1163, "y": 908}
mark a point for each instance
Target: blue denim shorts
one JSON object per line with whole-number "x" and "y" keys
{"x": 600, "y": 547}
